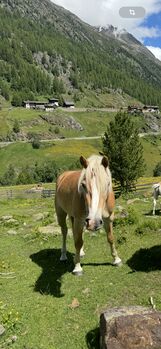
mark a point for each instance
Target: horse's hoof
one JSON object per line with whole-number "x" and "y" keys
{"x": 63, "y": 259}
{"x": 117, "y": 263}
{"x": 77, "y": 273}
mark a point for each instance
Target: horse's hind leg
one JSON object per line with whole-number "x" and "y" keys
{"x": 108, "y": 222}
{"x": 154, "y": 206}
{"x": 61, "y": 215}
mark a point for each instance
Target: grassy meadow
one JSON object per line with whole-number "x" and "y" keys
{"x": 94, "y": 122}
{"x": 66, "y": 152}
{"x": 42, "y": 305}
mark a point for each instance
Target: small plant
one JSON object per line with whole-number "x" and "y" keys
{"x": 9, "y": 316}
{"x": 4, "y": 266}
{"x": 121, "y": 240}
{"x": 132, "y": 217}
{"x": 147, "y": 227}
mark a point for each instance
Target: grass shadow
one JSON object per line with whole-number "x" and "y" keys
{"x": 93, "y": 339}
{"x": 49, "y": 282}
{"x": 94, "y": 264}
{"x": 146, "y": 259}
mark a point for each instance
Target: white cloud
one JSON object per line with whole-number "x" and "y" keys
{"x": 103, "y": 12}
{"x": 156, "y": 51}
{"x": 141, "y": 32}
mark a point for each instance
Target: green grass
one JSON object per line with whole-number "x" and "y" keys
{"x": 152, "y": 152}
{"x": 65, "y": 152}
{"x": 94, "y": 123}
{"x": 36, "y": 298}
{"x": 106, "y": 100}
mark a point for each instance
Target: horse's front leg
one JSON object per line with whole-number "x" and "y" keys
{"x": 78, "y": 241}
{"x": 108, "y": 224}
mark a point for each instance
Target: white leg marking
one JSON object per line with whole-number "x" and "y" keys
{"x": 117, "y": 261}
{"x": 82, "y": 253}
{"x": 78, "y": 269}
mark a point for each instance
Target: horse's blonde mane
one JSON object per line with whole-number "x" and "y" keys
{"x": 102, "y": 174}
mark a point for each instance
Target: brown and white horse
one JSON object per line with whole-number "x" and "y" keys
{"x": 87, "y": 198}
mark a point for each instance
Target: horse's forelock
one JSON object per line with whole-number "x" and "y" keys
{"x": 102, "y": 174}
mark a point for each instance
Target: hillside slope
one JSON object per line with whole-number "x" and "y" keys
{"x": 46, "y": 50}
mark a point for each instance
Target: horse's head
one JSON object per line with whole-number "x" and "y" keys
{"x": 94, "y": 184}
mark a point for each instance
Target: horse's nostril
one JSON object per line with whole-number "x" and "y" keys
{"x": 87, "y": 220}
{"x": 101, "y": 221}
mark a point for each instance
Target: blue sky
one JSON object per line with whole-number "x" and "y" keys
{"x": 154, "y": 21}
{"x": 104, "y": 12}
{"x": 154, "y": 43}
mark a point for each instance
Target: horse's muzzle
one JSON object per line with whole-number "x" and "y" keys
{"x": 93, "y": 224}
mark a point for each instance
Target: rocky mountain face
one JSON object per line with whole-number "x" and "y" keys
{"x": 42, "y": 42}
{"x": 127, "y": 40}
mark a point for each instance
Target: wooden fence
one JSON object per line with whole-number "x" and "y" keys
{"x": 25, "y": 194}
{"x": 138, "y": 189}
{"x": 14, "y": 193}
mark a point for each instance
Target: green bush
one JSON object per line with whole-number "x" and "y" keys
{"x": 157, "y": 170}
{"x": 16, "y": 126}
{"x": 36, "y": 142}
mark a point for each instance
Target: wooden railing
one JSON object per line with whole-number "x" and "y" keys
{"x": 16, "y": 192}
{"x": 47, "y": 193}
{"x": 138, "y": 188}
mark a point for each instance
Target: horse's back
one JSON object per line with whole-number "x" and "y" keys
{"x": 67, "y": 196}
{"x": 67, "y": 181}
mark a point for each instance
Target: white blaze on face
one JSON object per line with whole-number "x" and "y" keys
{"x": 95, "y": 199}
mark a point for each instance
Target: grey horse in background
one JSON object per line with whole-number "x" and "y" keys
{"x": 156, "y": 193}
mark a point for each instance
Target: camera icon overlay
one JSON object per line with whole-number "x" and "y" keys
{"x": 132, "y": 12}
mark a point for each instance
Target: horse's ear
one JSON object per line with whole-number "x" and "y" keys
{"x": 105, "y": 161}
{"x": 83, "y": 162}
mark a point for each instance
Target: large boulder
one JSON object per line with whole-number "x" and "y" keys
{"x": 130, "y": 328}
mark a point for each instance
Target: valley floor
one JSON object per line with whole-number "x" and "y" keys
{"x": 42, "y": 304}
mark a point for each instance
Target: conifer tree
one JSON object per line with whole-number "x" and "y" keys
{"x": 121, "y": 143}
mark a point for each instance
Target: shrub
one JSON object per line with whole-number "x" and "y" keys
{"x": 16, "y": 126}
{"x": 157, "y": 170}
{"x": 36, "y": 142}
